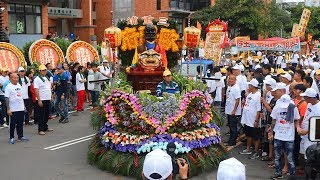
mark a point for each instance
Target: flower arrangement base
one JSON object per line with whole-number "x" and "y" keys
{"x": 130, "y": 126}
{"x": 130, "y": 164}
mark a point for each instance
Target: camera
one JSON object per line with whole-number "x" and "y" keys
{"x": 171, "y": 147}
{"x": 312, "y": 167}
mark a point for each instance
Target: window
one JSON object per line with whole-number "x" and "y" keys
{"x": 24, "y": 19}
{"x": 158, "y": 4}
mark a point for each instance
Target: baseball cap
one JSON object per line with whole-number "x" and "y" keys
{"x": 279, "y": 86}
{"x": 254, "y": 82}
{"x": 280, "y": 71}
{"x": 256, "y": 60}
{"x": 236, "y": 67}
{"x": 231, "y": 165}
{"x": 157, "y": 165}
{"x": 59, "y": 67}
{"x": 223, "y": 70}
{"x": 104, "y": 61}
{"x": 284, "y": 101}
{"x": 42, "y": 67}
{"x": 287, "y": 75}
{"x": 21, "y": 69}
{"x": 317, "y": 72}
{"x": 270, "y": 81}
{"x": 166, "y": 73}
{"x": 310, "y": 92}
{"x": 303, "y": 56}
{"x": 4, "y": 69}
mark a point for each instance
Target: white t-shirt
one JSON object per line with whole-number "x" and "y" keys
{"x": 79, "y": 85}
{"x": 265, "y": 61}
{"x": 312, "y": 110}
{"x": 105, "y": 70}
{"x": 269, "y": 97}
{"x": 310, "y": 61}
{"x": 2, "y": 80}
{"x": 295, "y": 58}
{"x": 288, "y": 89}
{"x": 219, "y": 85}
{"x": 315, "y": 65}
{"x": 14, "y": 93}
{"x": 44, "y": 88}
{"x": 242, "y": 82}
{"x": 279, "y": 60}
{"x": 25, "y": 86}
{"x": 284, "y": 131}
{"x": 283, "y": 63}
{"x": 315, "y": 87}
{"x": 211, "y": 85}
{"x": 233, "y": 93}
{"x": 250, "y": 109}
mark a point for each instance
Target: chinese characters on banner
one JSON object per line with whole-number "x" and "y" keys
{"x": 292, "y": 44}
{"x": 9, "y": 60}
{"x": 304, "y": 21}
{"x": 295, "y": 30}
{"x": 82, "y": 55}
{"x": 212, "y": 48}
{"x": 46, "y": 54}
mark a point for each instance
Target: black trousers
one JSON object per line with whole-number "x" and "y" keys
{"x": 35, "y": 112}
{"x": 43, "y": 115}
{"x": 27, "y": 105}
{"x": 16, "y": 121}
{"x": 233, "y": 125}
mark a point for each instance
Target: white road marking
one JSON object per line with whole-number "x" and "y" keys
{"x": 74, "y": 141}
{"x": 70, "y": 144}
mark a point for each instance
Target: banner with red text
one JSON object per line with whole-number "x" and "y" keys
{"x": 292, "y": 44}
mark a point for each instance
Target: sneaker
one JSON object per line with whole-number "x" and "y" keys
{"x": 5, "y": 125}
{"x": 65, "y": 121}
{"x": 264, "y": 154}
{"x": 254, "y": 156}
{"x": 228, "y": 134}
{"x": 277, "y": 176}
{"x": 41, "y": 133}
{"x": 12, "y": 141}
{"x": 245, "y": 151}
{"x": 61, "y": 119}
{"x": 23, "y": 139}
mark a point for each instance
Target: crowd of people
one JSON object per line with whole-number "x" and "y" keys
{"x": 271, "y": 103}
{"x": 44, "y": 93}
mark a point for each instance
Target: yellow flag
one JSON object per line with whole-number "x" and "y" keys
{"x": 135, "y": 57}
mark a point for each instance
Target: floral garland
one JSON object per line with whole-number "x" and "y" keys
{"x": 132, "y": 101}
{"x": 185, "y": 141}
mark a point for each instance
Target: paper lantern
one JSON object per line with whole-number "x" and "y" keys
{"x": 191, "y": 36}
{"x": 113, "y": 34}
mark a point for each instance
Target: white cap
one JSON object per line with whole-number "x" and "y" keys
{"x": 240, "y": 57}
{"x": 21, "y": 69}
{"x": 254, "y": 83}
{"x": 303, "y": 56}
{"x": 288, "y": 76}
{"x": 284, "y": 101}
{"x": 257, "y": 66}
{"x": 310, "y": 92}
{"x": 283, "y": 55}
{"x": 237, "y": 67}
{"x": 256, "y": 60}
{"x": 241, "y": 67}
{"x": 231, "y": 169}
{"x": 272, "y": 82}
{"x": 105, "y": 61}
{"x": 157, "y": 165}
{"x": 279, "y": 86}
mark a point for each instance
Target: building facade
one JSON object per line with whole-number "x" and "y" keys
{"x": 29, "y": 20}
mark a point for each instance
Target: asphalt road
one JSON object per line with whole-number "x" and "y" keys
{"x": 61, "y": 155}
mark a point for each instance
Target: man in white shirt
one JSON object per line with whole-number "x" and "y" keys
{"x": 316, "y": 82}
{"x": 285, "y": 116}
{"x": 219, "y": 84}
{"x": 313, "y": 109}
{"x": 286, "y": 79}
{"x": 42, "y": 88}
{"x": 279, "y": 59}
{"x": 315, "y": 65}
{"x": 106, "y": 71}
{"x": 241, "y": 80}
{"x": 15, "y": 108}
{"x": 233, "y": 108}
{"x": 3, "y": 78}
{"x": 295, "y": 59}
{"x": 25, "y": 83}
{"x": 80, "y": 80}
{"x": 251, "y": 119}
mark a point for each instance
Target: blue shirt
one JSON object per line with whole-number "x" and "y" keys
{"x": 172, "y": 88}
{"x": 61, "y": 80}
{"x": 4, "y": 85}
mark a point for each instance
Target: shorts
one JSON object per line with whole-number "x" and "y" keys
{"x": 252, "y": 132}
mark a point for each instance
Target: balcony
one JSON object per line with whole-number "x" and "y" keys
{"x": 55, "y": 12}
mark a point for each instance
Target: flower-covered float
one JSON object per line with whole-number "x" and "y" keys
{"x": 131, "y": 125}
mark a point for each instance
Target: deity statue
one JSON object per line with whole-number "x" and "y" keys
{"x": 150, "y": 56}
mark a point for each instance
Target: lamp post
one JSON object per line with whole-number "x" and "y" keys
{"x": 3, "y": 35}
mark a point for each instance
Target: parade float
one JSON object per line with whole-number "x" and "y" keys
{"x": 131, "y": 123}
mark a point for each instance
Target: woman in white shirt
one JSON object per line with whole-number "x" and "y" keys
{"x": 80, "y": 80}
